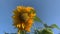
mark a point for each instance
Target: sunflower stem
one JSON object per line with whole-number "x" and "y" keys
{"x": 21, "y": 32}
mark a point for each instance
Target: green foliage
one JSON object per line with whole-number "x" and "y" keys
{"x": 22, "y": 32}
{"x": 37, "y": 19}
{"x": 37, "y": 32}
{"x": 45, "y": 25}
{"x": 52, "y": 26}
{"x": 44, "y": 31}
{"x": 47, "y": 29}
{"x": 55, "y": 26}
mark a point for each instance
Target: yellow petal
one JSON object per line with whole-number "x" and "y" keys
{"x": 23, "y": 26}
{"x": 27, "y": 29}
{"x": 28, "y": 9}
{"x": 19, "y": 8}
{"x": 32, "y": 15}
{"x": 18, "y": 25}
{"x": 30, "y": 21}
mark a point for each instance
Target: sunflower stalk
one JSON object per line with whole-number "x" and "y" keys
{"x": 21, "y": 32}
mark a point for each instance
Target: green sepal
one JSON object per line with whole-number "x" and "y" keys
{"x": 37, "y": 19}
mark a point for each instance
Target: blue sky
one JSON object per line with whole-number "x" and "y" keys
{"x": 47, "y": 10}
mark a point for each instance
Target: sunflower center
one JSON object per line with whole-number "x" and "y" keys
{"x": 23, "y": 16}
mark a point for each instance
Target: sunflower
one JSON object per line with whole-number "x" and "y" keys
{"x": 23, "y": 17}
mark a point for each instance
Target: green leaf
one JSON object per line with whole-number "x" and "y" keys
{"x": 55, "y": 26}
{"x": 37, "y": 19}
{"x": 45, "y": 25}
{"x": 49, "y": 29}
{"x": 46, "y": 31}
{"x": 37, "y": 31}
